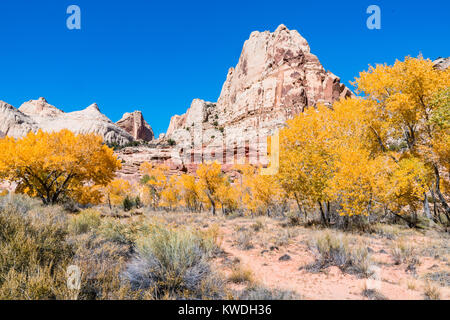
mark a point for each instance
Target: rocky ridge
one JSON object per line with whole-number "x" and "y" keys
{"x": 39, "y": 114}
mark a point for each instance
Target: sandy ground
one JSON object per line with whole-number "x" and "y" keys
{"x": 395, "y": 282}
{"x": 275, "y": 239}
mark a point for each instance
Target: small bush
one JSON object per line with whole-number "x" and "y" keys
{"x": 373, "y": 294}
{"x": 244, "y": 240}
{"x": 101, "y": 261}
{"x": 137, "y": 202}
{"x": 403, "y": 253}
{"x": 335, "y": 250}
{"x": 86, "y": 221}
{"x": 258, "y": 225}
{"x": 293, "y": 219}
{"x": 240, "y": 274}
{"x": 19, "y": 203}
{"x": 172, "y": 263}
{"x": 432, "y": 292}
{"x": 127, "y": 204}
{"x": 212, "y": 239}
{"x": 284, "y": 236}
{"x": 441, "y": 277}
{"x": 385, "y": 230}
{"x": 262, "y": 293}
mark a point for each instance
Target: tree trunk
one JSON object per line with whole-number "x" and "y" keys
{"x": 322, "y": 214}
{"x": 426, "y": 207}
{"x": 439, "y": 194}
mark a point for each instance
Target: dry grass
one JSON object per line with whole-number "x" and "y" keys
{"x": 240, "y": 274}
{"x": 85, "y": 221}
{"x": 403, "y": 252}
{"x": 432, "y": 292}
{"x": 334, "y": 249}
{"x": 244, "y": 240}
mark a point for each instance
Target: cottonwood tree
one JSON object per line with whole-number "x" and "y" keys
{"x": 116, "y": 192}
{"x": 155, "y": 179}
{"x": 306, "y": 159}
{"x": 411, "y": 106}
{"x": 210, "y": 179}
{"x": 381, "y": 149}
{"x": 189, "y": 192}
{"x": 52, "y": 165}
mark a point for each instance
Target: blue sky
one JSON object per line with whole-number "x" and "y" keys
{"x": 156, "y": 56}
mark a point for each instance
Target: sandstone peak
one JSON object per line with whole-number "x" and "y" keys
{"x": 135, "y": 124}
{"x": 40, "y": 108}
{"x": 93, "y": 107}
{"x": 14, "y": 123}
{"x": 276, "y": 78}
{"x": 281, "y": 27}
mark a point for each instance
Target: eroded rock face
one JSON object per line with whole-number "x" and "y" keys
{"x": 442, "y": 63}
{"x": 14, "y": 123}
{"x": 39, "y": 114}
{"x": 276, "y": 78}
{"x": 134, "y": 124}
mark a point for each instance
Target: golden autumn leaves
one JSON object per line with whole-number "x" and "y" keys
{"x": 209, "y": 189}
{"x": 385, "y": 151}
{"x": 58, "y": 164}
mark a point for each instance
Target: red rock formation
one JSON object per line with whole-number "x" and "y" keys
{"x": 134, "y": 124}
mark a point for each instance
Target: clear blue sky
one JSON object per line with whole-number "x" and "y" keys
{"x": 157, "y": 56}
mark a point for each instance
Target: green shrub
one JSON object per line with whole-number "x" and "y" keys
{"x": 33, "y": 252}
{"x": 333, "y": 249}
{"x": 172, "y": 264}
{"x": 127, "y": 204}
{"x": 86, "y": 221}
{"x": 137, "y": 202}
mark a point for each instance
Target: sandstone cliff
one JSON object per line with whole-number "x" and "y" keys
{"x": 276, "y": 78}
{"x": 134, "y": 124}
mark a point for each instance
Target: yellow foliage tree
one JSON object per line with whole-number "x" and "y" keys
{"x": 155, "y": 178}
{"x": 228, "y": 196}
{"x": 189, "y": 192}
{"x": 411, "y": 101}
{"x": 116, "y": 191}
{"x": 307, "y": 158}
{"x": 52, "y": 165}
{"x": 378, "y": 149}
{"x": 170, "y": 195}
{"x": 259, "y": 193}
{"x": 210, "y": 179}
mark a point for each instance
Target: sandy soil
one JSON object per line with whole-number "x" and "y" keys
{"x": 330, "y": 283}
